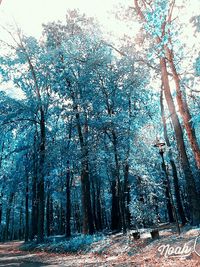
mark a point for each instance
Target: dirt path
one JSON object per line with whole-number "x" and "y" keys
{"x": 11, "y": 256}
{"x": 115, "y": 251}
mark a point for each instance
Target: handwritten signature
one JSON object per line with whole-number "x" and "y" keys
{"x": 180, "y": 251}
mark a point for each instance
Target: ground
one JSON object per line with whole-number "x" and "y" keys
{"x": 115, "y": 250}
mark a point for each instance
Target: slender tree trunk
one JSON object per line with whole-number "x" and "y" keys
{"x": 1, "y": 204}
{"x": 8, "y": 211}
{"x": 140, "y": 195}
{"x": 61, "y": 229}
{"x": 88, "y": 227}
{"x": 94, "y": 212}
{"x": 77, "y": 217}
{"x": 98, "y": 207}
{"x": 169, "y": 205}
{"x": 51, "y": 215}
{"x": 174, "y": 171}
{"x": 41, "y": 203}
{"x": 126, "y": 200}
{"x": 190, "y": 182}
{"x": 177, "y": 194}
{"x": 126, "y": 194}
{"x": 105, "y": 220}
{"x": 48, "y": 224}
{"x": 34, "y": 211}
{"x": 183, "y": 109}
{"x": 12, "y": 225}
{"x": 34, "y": 200}
{"x": 115, "y": 216}
{"x": 27, "y": 210}
{"x": 20, "y": 222}
{"x": 68, "y": 203}
{"x": 1, "y": 194}
{"x": 119, "y": 188}
{"x": 169, "y": 190}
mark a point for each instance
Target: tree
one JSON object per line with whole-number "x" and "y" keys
{"x": 159, "y": 28}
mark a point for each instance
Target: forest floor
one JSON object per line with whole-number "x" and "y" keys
{"x": 115, "y": 250}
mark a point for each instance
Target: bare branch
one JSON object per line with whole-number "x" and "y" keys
{"x": 171, "y": 11}
{"x": 17, "y": 120}
{"x": 138, "y": 10}
{"x": 114, "y": 48}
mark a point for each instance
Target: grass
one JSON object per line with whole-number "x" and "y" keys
{"x": 62, "y": 245}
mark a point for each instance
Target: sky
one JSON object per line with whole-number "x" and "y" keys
{"x": 30, "y": 14}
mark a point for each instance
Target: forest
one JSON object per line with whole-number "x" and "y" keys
{"x": 100, "y": 136}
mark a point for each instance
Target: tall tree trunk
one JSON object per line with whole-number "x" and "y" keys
{"x": 8, "y": 211}
{"x": 49, "y": 210}
{"x": 1, "y": 193}
{"x": 169, "y": 204}
{"x": 20, "y": 222}
{"x": 119, "y": 188}
{"x": 105, "y": 220}
{"x": 68, "y": 203}
{"x": 1, "y": 204}
{"x": 94, "y": 212}
{"x": 34, "y": 211}
{"x": 174, "y": 171}
{"x": 183, "y": 108}
{"x": 27, "y": 210}
{"x": 115, "y": 216}
{"x": 34, "y": 200}
{"x": 177, "y": 193}
{"x": 61, "y": 220}
{"x": 41, "y": 200}
{"x": 98, "y": 207}
{"x": 126, "y": 200}
{"x": 190, "y": 182}
{"x": 88, "y": 226}
{"x": 77, "y": 218}
{"x": 126, "y": 194}
{"x": 48, "y": 223}
{"x": 12, "y": 225}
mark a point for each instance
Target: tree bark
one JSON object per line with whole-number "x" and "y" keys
{"x": 1, "y": 204}
{"x": 8, "y": 211}
{"x": 88, "y": 227}
{"x": 119, "y": 190}
{"x": 27, "y": 210}
{"x": 41, "y": 204}
{"x": 98, "y": 206}
{"x": 169, "y": 205}
{"x": 94, "y": 212}
{"x": 34, "y": 210}
{"x": 126, "y": 198}
{"x": 20, "y": 233}
{"x": 190, "y": 182}
{"x": 183, "y": 108}
{"x": 115, "y": 216}
{"x": 68, "y": 203}
{"x": 174, "y": 170}
{"x": 48, "y": 223}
